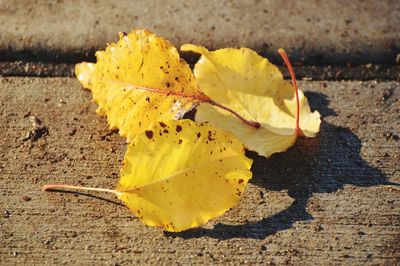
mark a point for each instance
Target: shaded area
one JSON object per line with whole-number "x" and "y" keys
{"x": 87, "y": 195}
{"x": 324, "y": 164}
{"x": 326, "y": 73}
{"x": 47, "y": 55}
{"x": 312, "y": 58}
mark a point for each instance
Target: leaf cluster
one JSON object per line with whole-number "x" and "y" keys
{"x": 179, "y": 173}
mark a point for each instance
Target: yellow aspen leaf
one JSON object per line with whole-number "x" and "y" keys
{"x": 141, "y": 79}
{"x": 180, "y": 174}
{"x": 242, "y": 80}
{"x": 138, "y": 80}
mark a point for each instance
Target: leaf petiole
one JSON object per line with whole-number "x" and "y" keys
{"x": 63, "y": 186}
{"x": 285, "y": 58}
{"x": 254, "y": 124}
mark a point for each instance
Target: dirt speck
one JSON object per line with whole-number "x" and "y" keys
{"x": 72, "y": 132}
{"x": 107, "y": 135}
{"x": 36, "y": 131}
{"x": 391, "y": 136}
{"x": 26, "y": 198}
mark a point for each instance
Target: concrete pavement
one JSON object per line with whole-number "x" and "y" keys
{"x": 312, "y": 31}
{"x": 323, "y": 202}
{"x": 328, "y": 200}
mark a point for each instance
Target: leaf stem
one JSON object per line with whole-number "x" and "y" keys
{"x": 201, "y": 98}
{"x": 285, "y": 58}
{"x": 254, "y": 124}
{"x": 63, "y": 186}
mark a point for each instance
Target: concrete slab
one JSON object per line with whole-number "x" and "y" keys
{"x": 323, "y": 202}
{"x": 312, "y": 31}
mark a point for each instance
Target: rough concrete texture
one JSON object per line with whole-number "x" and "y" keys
{"x": 326, "y": 201}
{"x": 312, "y": 31}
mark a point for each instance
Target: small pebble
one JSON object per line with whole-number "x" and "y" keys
{"x": 26, "y": 198}
{"x": 72, "y": 132}
{"x": 6, "y": 214}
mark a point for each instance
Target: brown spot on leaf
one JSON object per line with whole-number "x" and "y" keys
{"x": 240, "y": 181}
{"x": 149, "y": 134}
{"x": 162, "y": 124}
{"x": 178, "y": 128}
{"x": 198, "y": 135}
{"x": 180, "y": 141}
{"x": 210, "y": 136}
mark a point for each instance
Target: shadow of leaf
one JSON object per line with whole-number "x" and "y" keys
{"x": 320, "y": 165}
{"x": 86, "y": 195}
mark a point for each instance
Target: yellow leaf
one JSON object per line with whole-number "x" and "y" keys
{"x": 261, "y": 140}
{"x": 180, "y": 174}
{"x": 242, "y": 80}
{"x": 139, "y": 80}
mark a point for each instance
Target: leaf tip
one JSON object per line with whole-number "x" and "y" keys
{"x": 84, "y": 73}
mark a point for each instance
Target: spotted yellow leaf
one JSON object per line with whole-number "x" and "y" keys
{"x": 180, "y": 174}
{"x": 242, "y": 80}
{"x": 139, "y": 80}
